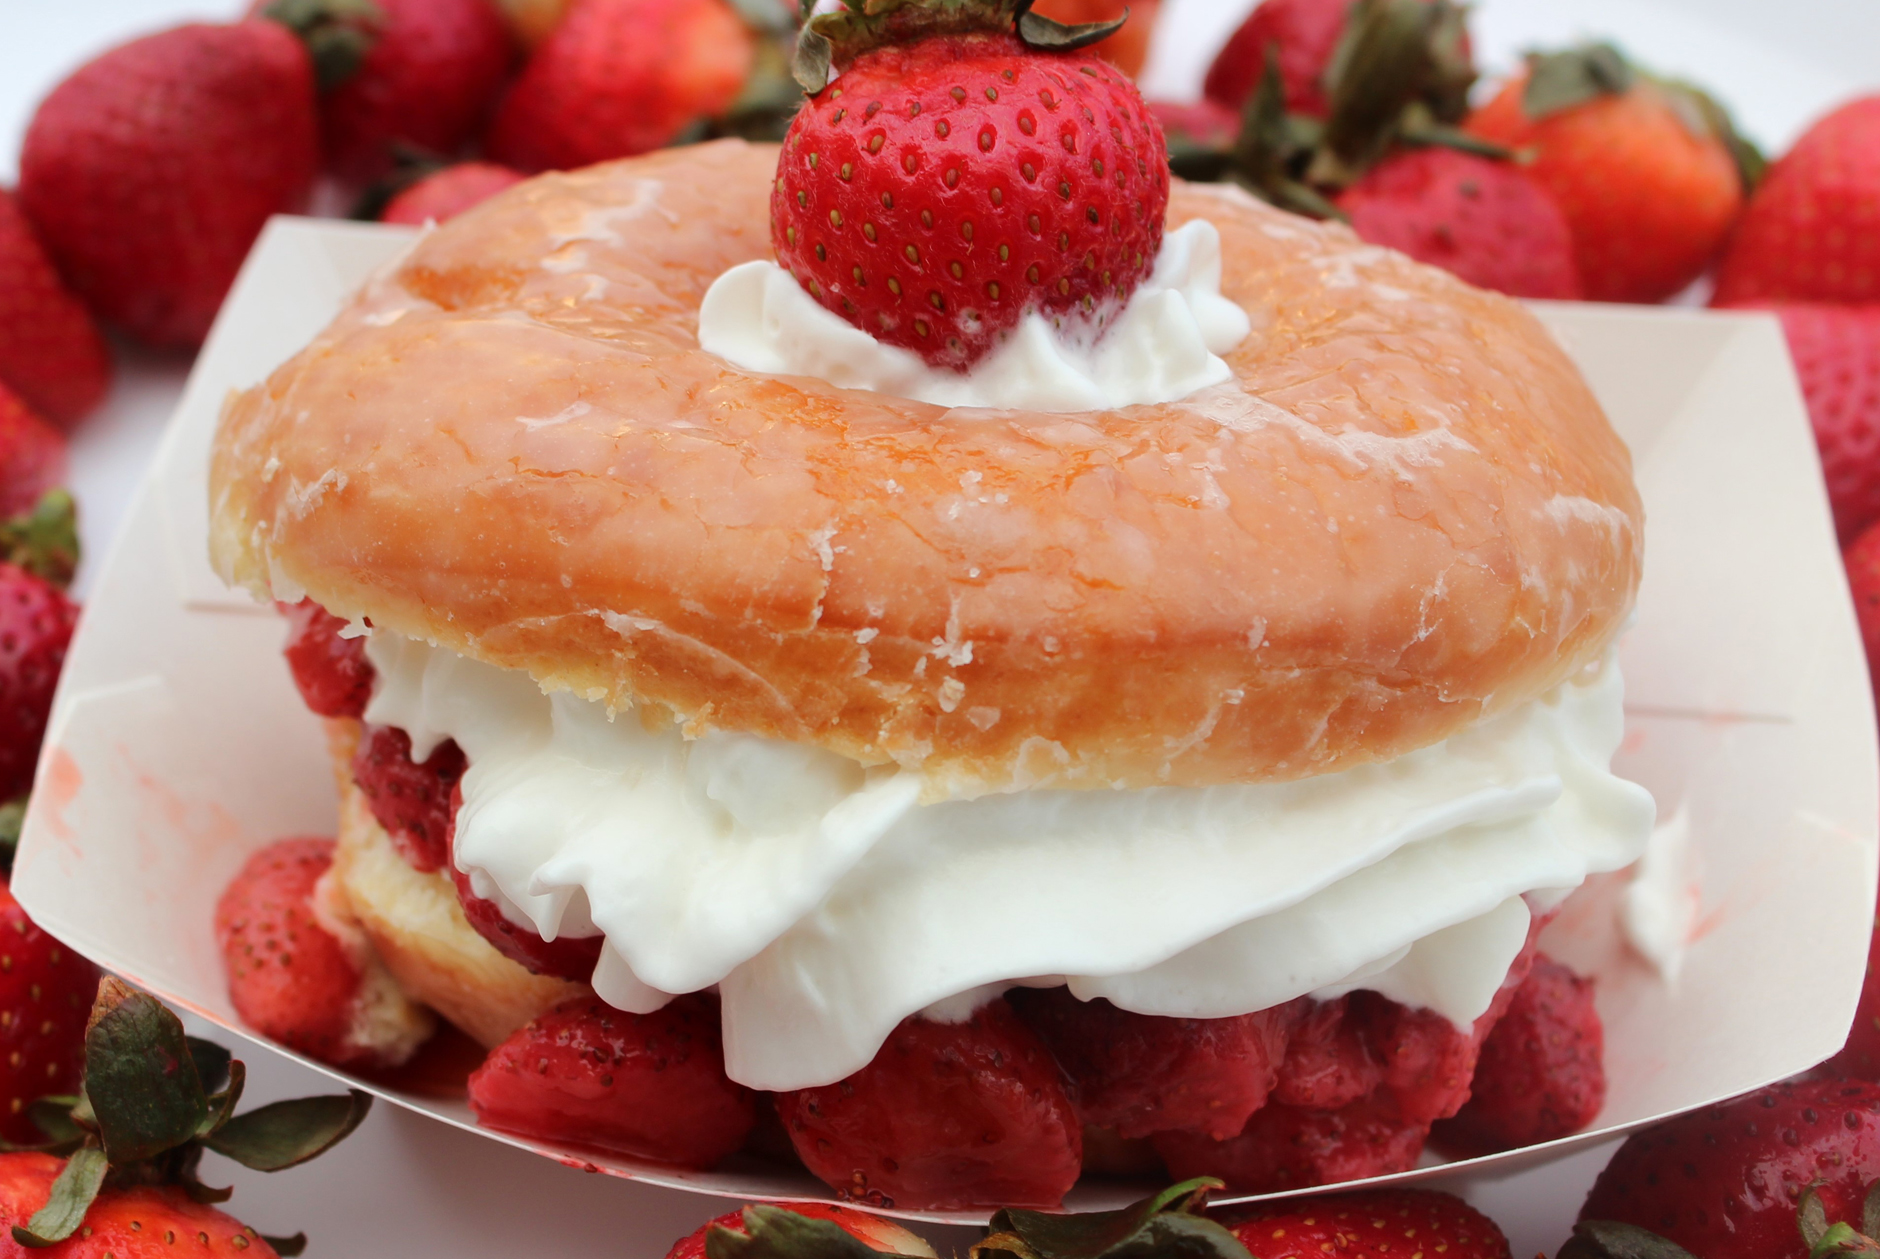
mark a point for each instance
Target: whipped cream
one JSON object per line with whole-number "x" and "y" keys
{"x": 1658, "y": 912}
{"x": 826, "y": 902}
{"x": 1164, "y": 344}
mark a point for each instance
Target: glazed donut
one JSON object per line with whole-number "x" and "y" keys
{"x": 1405, "y": 513}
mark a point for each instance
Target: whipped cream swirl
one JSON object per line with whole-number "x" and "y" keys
{"x": 1164, "y": 344}
{"x": 826, "y": 902}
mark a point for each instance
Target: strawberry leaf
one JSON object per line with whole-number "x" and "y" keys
{"x": 53, "y": 1116}
{"x": 1395, "y": 55}
{"x": 222, "y": 1104}
{"x": 44, "y": 541}
{"x": 338, "y": 33}
{"x": 1046, "y": 35}
{"x": 1169, "y": 1225}
{"x": 1870, "y": 1211}
{"x": 1609, "y": 1239}
{"x": 287, "y": 1247}
{"x": 1559, "y": 81}
{"x": 212, "y": 1063}
{"x": 72, "y": 1194}
{"x": 285, "y": 1134}
{"x": 779, "y": 1233}
{"x": 12, "y": 819}
{"x": 140, "y": 1076}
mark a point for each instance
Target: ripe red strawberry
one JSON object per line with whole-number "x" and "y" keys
{"x": 411, "y": 800}
{"x": 938, "y": 191}
{"x": 448, "y": 193}
{"x": 50, "y": 351}
{"x": 1542, "y": 1071}
{"x": 1860, "y": 1056}
{"x": 45, "y": 997}
{"x": 1383, "y": 1224}
{"x": 1812, "y": 231}
{"x": 946, "y": 1115}
{"x": 1836, "y": 351}
{"x": 32, "y": 454}
{"x": 1140, "y": 1074}
{"x": 420, "y": 74}
{"x": 1303, "y": 33}
{"x": 1288, "y": 1147}
{"x": 36, "y": 622}
{"x": 289, "y": 977}
{"x": 126, "y": 1223}
{"x": 1328, "y": 1064}
{"x": 1862, "y": 561}
{"x": 150, "y": 171}
{"x": 877, "y": 1232}
{"x": 1485, "y": 221}
{"x": 649, "y": 1085}
{"x": 1646, "y": 173}
{"x": 331, "y": 672}
{"x": 1725, "y": 1182}
{"x": 619, "y": 77}
{"x": 566, "y": 957}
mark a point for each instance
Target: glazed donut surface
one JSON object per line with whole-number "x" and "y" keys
{"x": 1405, "y": 511}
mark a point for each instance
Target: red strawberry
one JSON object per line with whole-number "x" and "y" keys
{"x": 128, "y": 1223}
{"x": 1303, "y": 34}
{"x": 1542, "y": 1072}
{"x": 947, "y": 1115}
{"x": 1725, "y": 1182}
{"x": 420, "y": 74}
{"x": 332, "y": 673}
{"x": 36, "y": 622}
{"x": 1327, "y": 1065}
{"x": 449, "y": 193}
{"x": 32, "y": 454}
{"x": 1836, "y": 351}
{"x": 877, "y": 1232}
{"x": 1287, "y": 1147}
{"x": 1199, "y": 125}
{"x": 648, "y": 1085}
{"x": 1484, "y": 220}
{"x": 567, "y": 957}
{"x": 1862, "y": 561}
{"x": 938, "y": 191}
{"x": 1812, "y": 231}
{"x": 411, "y": 800}
{"x": 619, "y": 77}
{"x": 50, "y": 350}
{"x": 289, "y": 977}
{"x": 45, "y": 997}
{"x": 1645, "y": 172}
{"x": 1384, "y": 1224}
{"x": 1140, "y": 1074}
{"x": 150, "y": 171}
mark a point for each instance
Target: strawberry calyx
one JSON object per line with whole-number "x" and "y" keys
{"x": 338, "y": 33}
{"x": 153, "y": 1099}
{"x": 1611, "y": 1239}
{"x": 830, "y": 41}
{"x": 44, "y": 541}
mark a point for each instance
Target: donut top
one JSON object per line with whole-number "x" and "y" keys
{"x": 1405, "y": 510}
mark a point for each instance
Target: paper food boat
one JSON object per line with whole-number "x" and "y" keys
{"x": 178, "y": 744}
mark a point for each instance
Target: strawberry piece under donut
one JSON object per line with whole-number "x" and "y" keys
{"x": 1289, "y": 1147}
{"x": 947, "y": 1115}
{"x": 332, "y": 673}
{"x": 648, "y": 1085}
{"x": 567, "y": 957}
{"x": 413, "y": 801}
{"x": 1328, "y": 1064}
{"x": 1139, "y": 1074}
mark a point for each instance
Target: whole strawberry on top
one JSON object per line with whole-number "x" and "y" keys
{"x": 959, "y": 164}
{"x": 150, "y": 171}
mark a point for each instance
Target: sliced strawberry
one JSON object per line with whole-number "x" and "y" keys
{"x": 332, "y": 672}
{"x": 45, "y": 998}
{"x": 947, "y": 1115}
{"x": 412, "y": 801}
{"x": 1328, "y": 1062}
{"x": 566, "y": 957}
{"x": 1286, "y": 1147}
{"x": 649, "y": 1085}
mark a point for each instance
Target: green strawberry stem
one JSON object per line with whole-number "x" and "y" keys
{"x": 338, "y": 33}
{"x": 153, "y": 1100}
{"x": 44, "y": 541}
{"x": 830, "y": 41}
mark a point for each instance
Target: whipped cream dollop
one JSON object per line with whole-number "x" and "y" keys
{"x": 827, "y": 902}
{"x": 1164, "y": 344}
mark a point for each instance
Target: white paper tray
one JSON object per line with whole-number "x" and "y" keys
{"x": 178, "y": 744}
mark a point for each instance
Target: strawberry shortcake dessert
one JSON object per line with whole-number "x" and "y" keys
{"x": 941, "y": 646}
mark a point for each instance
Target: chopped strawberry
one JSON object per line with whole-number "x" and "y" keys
{"x": 1485, "y": 221}
{"x": 45, "y": 998}
{"x": 289, "y": 978}
{"x": 947, "y": 1115}
{"x": 50, "y": 350}
{"x": 1140, "y": 1074}
{"x": 1303, "y": 35}
{"x": 1381, "y": 1224}
{"x": 32, "y": 455}
{"x": 938, "y": 191}
{"x": 1286, "y": 1147}
{"x": 36, "y": 623}
{"x": 413, "y": 802}
{"x": 332, "y": 672}
{"x": 876, "y": 1232}
{"x": 448, "y": 193}
{"x": 649, "y": 1085}
{"x": 1427, "y": 1061}
{"x": 566, "y": 957}
{"x": 1328, "y": 1062}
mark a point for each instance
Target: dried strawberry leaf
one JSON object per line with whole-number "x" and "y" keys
{"x": 1870, "y": 1211}
{"x": 222, "y": 1104}
{"x": 52, "y": 1115}
{"x": 287, "y": 1247}
{"x": 1046, "y": 35}
{"x": 212, "y": 1063}
{"x": 72, "y": 1194}
{"x": 1560, "y": 80}
{"x": 285, "y": 1134}
{"x": 140, "y": 1076}
{"x": 778, "y": 1233}
{"x": 1395, "y": 56}
{"x": 1609, "y": 1239}
{"x": 1168, "y": 1225}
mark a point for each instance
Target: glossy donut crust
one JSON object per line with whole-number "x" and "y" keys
{"x": 1405, "y": 511}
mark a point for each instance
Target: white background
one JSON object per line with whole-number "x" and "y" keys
{"x": 407, "y": 1186}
